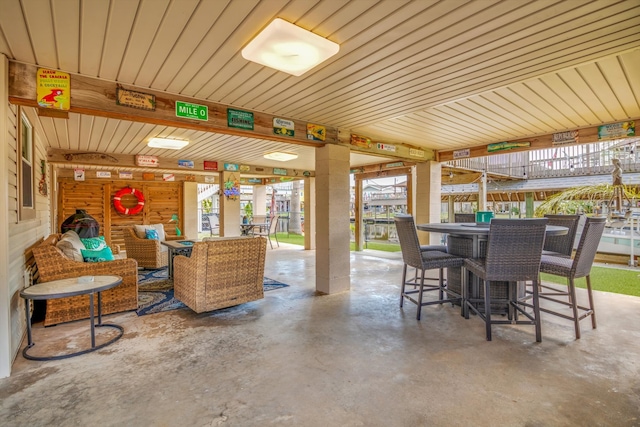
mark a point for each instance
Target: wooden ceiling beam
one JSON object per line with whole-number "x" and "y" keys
{"x": 586, "y": 134}
{"x": 96, "y": 97}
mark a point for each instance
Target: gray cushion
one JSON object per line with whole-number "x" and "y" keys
{"x": 71, "y": 246}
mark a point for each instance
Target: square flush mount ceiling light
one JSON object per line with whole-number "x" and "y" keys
{"x": 289, "y": 48}
{"x": 172, "y": 144}
{"x": 281, "y": 157}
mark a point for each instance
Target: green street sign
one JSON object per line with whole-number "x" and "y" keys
{"x": 192, "y": 111}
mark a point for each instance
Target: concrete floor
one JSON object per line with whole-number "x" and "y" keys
{"x": 351, "y": 359}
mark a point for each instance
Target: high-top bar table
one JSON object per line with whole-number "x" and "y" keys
{"x": 85, "y": 285}
{"x": 468, "y": 240}
{"x": 476, "y": 232}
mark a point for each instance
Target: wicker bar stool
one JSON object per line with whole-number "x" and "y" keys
{"x": 572, "y": 269}
{"x": 514, "y": 248}
{"x": 561, "y": 245}
{"x": 463, "y": 217}
{"x": 414, "y": 256}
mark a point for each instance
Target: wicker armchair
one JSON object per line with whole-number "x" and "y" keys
{"x": 149, "y": 253}
{"x": 221, "y": 273}
{"x": 53, "y": 265}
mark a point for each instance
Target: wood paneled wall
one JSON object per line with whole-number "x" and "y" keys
{"x": 162, "y": 201}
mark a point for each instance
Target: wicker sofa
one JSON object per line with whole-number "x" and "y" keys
{"x": 149, "y": 253}
{"x": 53, "y": 264}
{"x": 220, "y": 273}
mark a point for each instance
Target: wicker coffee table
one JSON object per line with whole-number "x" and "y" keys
{"x": 85, "y": 285}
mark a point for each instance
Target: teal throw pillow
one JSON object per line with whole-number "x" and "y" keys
{"x": 101, "y": 255}
{"x": 150, "y": 233}
{"x": 94, "y": 243}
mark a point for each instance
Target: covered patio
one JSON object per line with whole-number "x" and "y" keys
{"x": 353, "y": 358}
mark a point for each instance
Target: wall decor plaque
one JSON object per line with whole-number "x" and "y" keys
{"x": 133, "y": 99}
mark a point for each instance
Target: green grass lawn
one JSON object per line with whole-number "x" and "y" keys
{"x": 607, "y": 279}
{"x": 298, "y": 239}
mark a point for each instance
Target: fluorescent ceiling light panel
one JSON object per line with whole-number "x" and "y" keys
{"x": 289, "y": 48}
{"x": 172, "y": 144}
{"x": 281, "y": 157}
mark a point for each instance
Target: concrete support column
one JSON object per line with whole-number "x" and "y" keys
{"x": 332, "y": 219}
{"x": 309, "y": 213}
{"x": 5, "y": 298}
{"x": 189, "y": 217}
{"x": 259, "y": 200}
{"x": 452, "y": 209}
{"x": 229, "y": 209}
{"x": 427, "y": 181}
{"x": 358, "y": 225}
{"x": 482, "y": 192}
{"x": 528, "y": 203}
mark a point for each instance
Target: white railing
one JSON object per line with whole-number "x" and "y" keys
{"x": 560, "y": 161}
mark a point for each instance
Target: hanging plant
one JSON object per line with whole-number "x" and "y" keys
{"x": 232, "y": 188}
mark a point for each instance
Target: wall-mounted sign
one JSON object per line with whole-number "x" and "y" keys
{"x": 278, "y": 171}
{"x": 209, "y": 179}
{"x": 133, "y": 99}
{"x": 125, "y": 175}
{"x": 148, "y": 176}
{"x": 414, "y": 152}
{"x": 259, "y": 169}
{"x": 254, "y": 180}
{"x": 461, "y": 154}
{"x": 283, "y": 127}
{"x": 185, "y": 164}
{"x": 239, "y": 119}
{"x": 53, "y": 89}
{"x": 103, "y": 174}
{"x": 360, "y": 141}
{"x": 192, "y": 111}
{"x": 232, "y": 167}
{"x": 570, "y": 137}
{"x": 210, "y": 166}
{"x": 316, "y": 132}
{"x": 78, "y": 174}
{"x": 244, "y": 168}
{"x": 617, "y": 130}
{"x": 386, "y": 147}
{"x": 394, "y": 165}
{"x": 168, "y": 177}
{"x": 499, "y": 146}
{"x": 147, "y": 161}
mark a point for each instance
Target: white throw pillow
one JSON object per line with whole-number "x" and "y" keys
{"x": 141, "y": 231}
{"x": 71, "y": 246}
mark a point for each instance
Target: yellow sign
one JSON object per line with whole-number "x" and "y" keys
{"x": 53, "y": 89}
{"x": 316, "y": 132}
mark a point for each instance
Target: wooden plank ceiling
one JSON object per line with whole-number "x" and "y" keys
{"x": 436, "y": 74}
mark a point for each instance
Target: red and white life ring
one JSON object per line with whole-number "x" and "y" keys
{"x": 117, "y": 201}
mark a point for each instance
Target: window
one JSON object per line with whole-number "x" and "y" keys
{"x": 27, "y": 195}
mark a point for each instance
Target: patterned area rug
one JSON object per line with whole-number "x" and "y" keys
{"x": 155, "y": 291}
